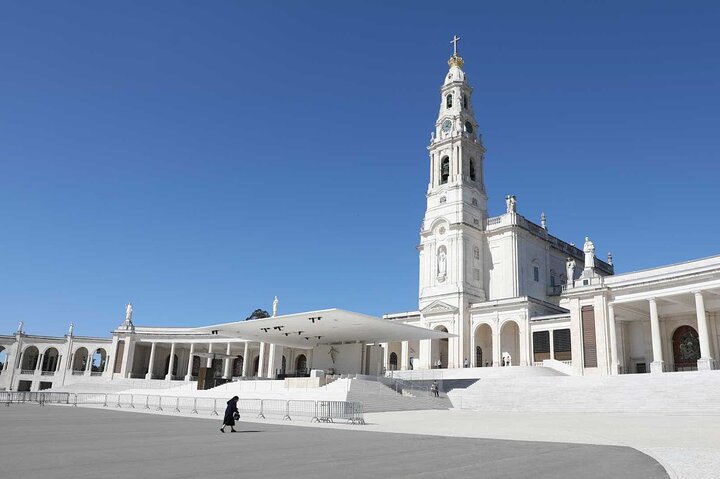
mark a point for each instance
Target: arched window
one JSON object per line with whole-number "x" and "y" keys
{"x": 51, "y": 357}
{"x": 80, "y": 361}
{"x": 448, "y": 100}
{"x": 99, "y": 358}
{"x": 472, "y": 169}
{"x": 3, "y": 358}
{"x": 468, "y": 127}
{"x": 301, "y": 364}
{"x": 30, "y": 357}
{"x": 444, "y": 170}
{"x": 393, "y": 362}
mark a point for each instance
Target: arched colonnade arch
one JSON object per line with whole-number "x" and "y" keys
{"x": 491, "y": 344}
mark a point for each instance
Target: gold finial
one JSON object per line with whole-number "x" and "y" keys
{"x": 455, "y": 60}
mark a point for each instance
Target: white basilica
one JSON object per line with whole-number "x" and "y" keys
{"x": 493, "y": 292}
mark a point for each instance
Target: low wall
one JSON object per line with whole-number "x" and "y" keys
{"x": 305, "y": 383}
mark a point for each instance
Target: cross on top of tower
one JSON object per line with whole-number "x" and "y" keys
{"x": 455, "y": 41}
{"x": 455, "y": 60}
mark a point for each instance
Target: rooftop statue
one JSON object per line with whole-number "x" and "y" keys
{"x": 589, "y": 250}
{"x": 511, "y": 203}
{"x": 570, "y": 266}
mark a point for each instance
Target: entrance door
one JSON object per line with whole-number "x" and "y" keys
{"x": 686, "y": 348}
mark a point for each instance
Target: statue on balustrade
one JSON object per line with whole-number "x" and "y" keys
{"x": 589, "y": 250}
{"x": 570, "y": 266}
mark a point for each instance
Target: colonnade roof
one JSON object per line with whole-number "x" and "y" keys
{"x": 326, "y": 326}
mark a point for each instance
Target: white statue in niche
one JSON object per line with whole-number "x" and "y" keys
{"x": 442, "y": 263}
{"x": 589, "y": 250}
{"x": 275, "y": 306}
{"x": 570, "y": 266}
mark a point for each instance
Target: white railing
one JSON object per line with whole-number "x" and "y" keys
{"x": 27, "y": 371}
{"x": 48, "y": 373}
{"x": 78, "y": 373}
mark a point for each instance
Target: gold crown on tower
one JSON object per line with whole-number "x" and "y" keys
{"x": 456, "y": 61}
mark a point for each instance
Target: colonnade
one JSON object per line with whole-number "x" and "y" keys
{"x": 268, "y": 355}
{"x": 705, "y": 362}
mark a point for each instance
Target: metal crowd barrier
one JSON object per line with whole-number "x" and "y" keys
{"x": 320, "y": 411}
{"x": 328, "y": 411}
{"x": 39, "y": 397}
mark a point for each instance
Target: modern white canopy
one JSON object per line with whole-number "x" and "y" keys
{"x": 325, "y": 326}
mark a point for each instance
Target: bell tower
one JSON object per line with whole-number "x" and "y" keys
{"x": 451, "y": 246}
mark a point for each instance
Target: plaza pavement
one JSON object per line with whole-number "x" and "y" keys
{"x": 687, "y": 446}
{"x": 65, "y": 442}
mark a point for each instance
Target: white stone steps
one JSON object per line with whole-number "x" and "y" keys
{"x": 662, "y": 393}
{"x": 377, "y": 397}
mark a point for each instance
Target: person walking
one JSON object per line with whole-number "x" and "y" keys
{"x": 434, "y": 389}
{"x": 466, "y": 364}
{"x": 231, "y": 414}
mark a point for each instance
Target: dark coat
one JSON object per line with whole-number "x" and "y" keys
{"x": 230, "y": 410}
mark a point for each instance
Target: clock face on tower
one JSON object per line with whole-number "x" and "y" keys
{"x": 447, "y": 126}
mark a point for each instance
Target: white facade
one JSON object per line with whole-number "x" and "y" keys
{"x": 512, "y": 294}
{"x": 507, "y": 291}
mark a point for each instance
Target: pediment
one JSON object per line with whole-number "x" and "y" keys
{"x": 438, "y": 307}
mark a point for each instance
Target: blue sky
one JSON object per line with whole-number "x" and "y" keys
{"x": 198, "y": 158}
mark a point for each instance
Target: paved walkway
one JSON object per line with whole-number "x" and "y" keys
{"x": 64, "y": 442}
{"x": 687, "y": 446}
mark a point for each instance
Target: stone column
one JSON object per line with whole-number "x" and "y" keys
{"x": 246, "y": 360}
{"x": 228, "y": 364}
{"x": 552, "y": 345}
{"x": 152, "y": 361}
{"x": 425, "y": 354}
{"x": 271, "y": 362}
{"x": 208, "y": 363}
{"x": 497, "y": 354}
{"x": 657, "y": 364}
{"x": 38, "y": 366}
{"x": 386, "y": 356}
{"x": 613, "y": 340}
{"x": 88, "y": 366}
{"x": 188, "y": 376}
{"x": 128, "y": 357}
{"x": 171, "y": 363}
{"x": 706, "y": 361}
{"x": 404, "y": 359}
{"x": 261, "y": 360}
